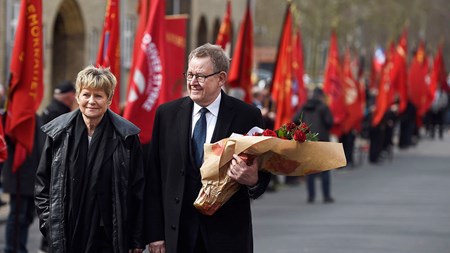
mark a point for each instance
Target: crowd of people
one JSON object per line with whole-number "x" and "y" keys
{"x": 95, "y": 189}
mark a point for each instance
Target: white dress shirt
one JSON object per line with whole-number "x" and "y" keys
{"x": 211, "y": 117}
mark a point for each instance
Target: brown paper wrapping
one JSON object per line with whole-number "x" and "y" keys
{"x": 278, "y": 156}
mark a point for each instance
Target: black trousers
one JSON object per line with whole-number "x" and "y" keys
{"x": 104, "y": 244}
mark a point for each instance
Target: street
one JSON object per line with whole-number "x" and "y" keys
{"x": 400, "y": 206}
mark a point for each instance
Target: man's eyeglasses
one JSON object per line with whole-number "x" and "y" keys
{"x": 200, "y": 78}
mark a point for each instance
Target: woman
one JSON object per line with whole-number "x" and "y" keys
{"x": 90, "y": 180}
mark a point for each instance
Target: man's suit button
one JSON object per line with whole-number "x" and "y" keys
{"x": 173, "y": 227}
{"x": 177, "y": 200}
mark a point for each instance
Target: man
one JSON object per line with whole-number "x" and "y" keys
{"x": 174, "y": 224}
{"x": 317, "y": 113}
{"x": 20, "y": 187}
{"x": 63, "y": 101}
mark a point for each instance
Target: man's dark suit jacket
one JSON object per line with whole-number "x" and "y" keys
{"x": 174, "y": 182}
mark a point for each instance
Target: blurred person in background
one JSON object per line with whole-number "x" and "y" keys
{"x": 63, "y": 102}
{"x": 19, "y": 185}
{"x": 317, "y": 114}
{"x": 437, "y": 113}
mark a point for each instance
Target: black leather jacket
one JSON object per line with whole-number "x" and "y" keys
{"x": 128, "y": 186}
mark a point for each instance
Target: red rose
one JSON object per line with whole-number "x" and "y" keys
{"x": 304, "y": 127}
{"x": 299, "y": 136}
{"x": 269, "y": 132}
{"x": 291, "y": 126}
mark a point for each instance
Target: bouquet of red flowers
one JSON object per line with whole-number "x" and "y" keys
{"x": 290, "y": 150}
{"x": 291, "y": 131}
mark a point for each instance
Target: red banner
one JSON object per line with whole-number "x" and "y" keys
{"x": 242, "y": 61}
{"x": 3, "y": 147}
{"x": 333, "y": 87}
{"x": 418, "y": 87}
{"x": 298, "y": 69}
{"x": 438, "y": 76}
{"x": 26, "y": 83}
{"x": 148, "y": 77}
{"x": 109, "y": 48}
{"x": 399, "y": 72}
{"x": 353, "y": 103}
{"x": 142, "y": 11}
{"x": 376, "y": 67}
{"x": 283, "y": 76}
{"x": 176, "y": 45}
{"x": 224, "y": 36}
{"x": 384, "y": 96}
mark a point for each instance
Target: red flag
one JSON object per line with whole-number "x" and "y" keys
{"x": 224, "y": 36}
{"x": 418, "y": 88}
{"x": 298, "y": 69}
{"x": 26, "y": 83}
{"x": 142, "y": 11}
{"x": 399, "y": 77}
{"x": 176, "y": 45}
{"x": 3, "y": 147}
{"x": 352, "y": 96}
{"x": 438, "y": 78}
{"x": 109, "y": 48}
{"x": 148, "y": 81}
{"x": 333, "y": 87}
{"x": 384, "y": 96}
{"x": 282, "y": 76}
{"x": 362, "y": 93}
{"x": 241, "y": 64}
{"x": 377, "y": 65}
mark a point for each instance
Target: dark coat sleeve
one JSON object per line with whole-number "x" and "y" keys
{"x": 42, "y": 186}
{"x": 263, "y": 176}
{"x": 136, "y": 195}
{"x": 154, "y": 212}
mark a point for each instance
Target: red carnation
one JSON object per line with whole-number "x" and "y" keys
{"x": 299, "y": 136}
{"x": 269, "y": 132}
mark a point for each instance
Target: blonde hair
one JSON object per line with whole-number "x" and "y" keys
{"x": 96, "y": 78}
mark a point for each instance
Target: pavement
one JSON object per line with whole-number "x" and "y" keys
{"x": 399, "y": 206}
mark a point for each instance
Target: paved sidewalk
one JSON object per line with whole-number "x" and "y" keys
{"x": 402, "y": 206}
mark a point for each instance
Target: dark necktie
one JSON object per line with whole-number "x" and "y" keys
{"x": 199, "y": 138}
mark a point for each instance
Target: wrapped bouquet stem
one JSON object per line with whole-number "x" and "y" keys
{"x": 278, "y": 156}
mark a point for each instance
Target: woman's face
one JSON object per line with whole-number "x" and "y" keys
{"x": 93, "y": 103}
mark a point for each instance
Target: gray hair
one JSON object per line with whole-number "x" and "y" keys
{"x": 219, "y": 59}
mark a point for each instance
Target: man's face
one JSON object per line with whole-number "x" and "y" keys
{"x": 204, "y": 93}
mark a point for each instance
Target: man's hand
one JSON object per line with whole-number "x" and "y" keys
{"x": 243, "y": 173}
{"x": 157, "y": 247}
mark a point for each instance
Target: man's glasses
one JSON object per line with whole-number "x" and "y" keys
{"x": 200, "y": 78}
